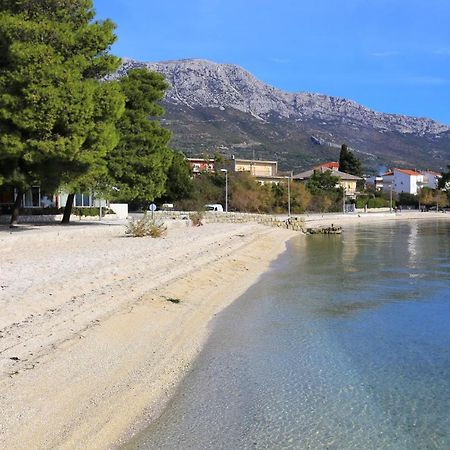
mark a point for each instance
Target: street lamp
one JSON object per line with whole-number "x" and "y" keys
{"x": 289, "y": 193}
{"x": 390, "y": 183}
{"x": 390, "y": 197}
{"x": 225, "y": 171}
{"x": 343, "y": 199}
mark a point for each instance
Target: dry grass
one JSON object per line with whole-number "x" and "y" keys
{"x": 196, "y": 219}
{"x": 146, "y": 226}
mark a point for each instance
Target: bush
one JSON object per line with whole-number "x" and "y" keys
{"x": 374, "y": 202}
{"x": 77, "y": 211}
{"x": 406, "y": 199}
{"x": 145, "y": 226}
{"x": 196, "y": 219}
{"x": 90, "y": 211}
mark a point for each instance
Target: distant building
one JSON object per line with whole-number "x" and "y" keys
{"x": 430, "y": 178}
{"x": 376, "y": 181}
{"x": 332, "y": 165}
{"x": 346, "y": 180}
{"x": 199, "y": 165}
{"x": 36, "y": 197}
{"x": 403, "y": 181}
{"x": 263, "y": 171}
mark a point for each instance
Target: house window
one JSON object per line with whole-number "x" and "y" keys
{"x": 83, "y": 200}
{"x": 6, "y": 195}
{"x": 32, "y": 198}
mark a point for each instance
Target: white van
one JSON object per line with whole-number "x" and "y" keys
{"x": 214, "y": 207}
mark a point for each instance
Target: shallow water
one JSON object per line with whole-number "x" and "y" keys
{"x": 345, "y": 344}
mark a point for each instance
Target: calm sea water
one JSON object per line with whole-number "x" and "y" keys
{"x": 345, "y": 344}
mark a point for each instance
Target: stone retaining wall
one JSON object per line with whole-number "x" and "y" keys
{"x": 292, "y": 223}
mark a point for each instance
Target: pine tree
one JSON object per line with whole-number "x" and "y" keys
{"x": 444, "y": 181}
{"x": 140, "y": 163}
{"x": 179, "y": 179}
{"x": 56, "y": 117}
{"x": 348, "y": 162}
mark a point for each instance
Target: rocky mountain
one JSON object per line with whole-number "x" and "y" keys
{"x": 222, "y": 107}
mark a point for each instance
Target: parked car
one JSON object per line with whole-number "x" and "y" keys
{"x": 435, "y": 208}
{"x": 214, "y": 207}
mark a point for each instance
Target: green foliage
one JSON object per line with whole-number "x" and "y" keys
{"x": 326, "y": 196}
{"x": 81, "y": 212}
{"x": 322, "y": 182}
{"x": 140, "y": 163}
{"x": 248, "y": 195}
{"x": 145, "y": 226}
{"x": 90, "y": 212}
{"x": 372, "y": 202}
{"x": 326, "y": 202}
{"x": 349, "y": 163}
{"x": 444, "y": 182}
{"x": 406, "y": 199}
{"x": 427, "y": 196}
{"x": 179, "y": 184}
{"x": 56, "y": 117}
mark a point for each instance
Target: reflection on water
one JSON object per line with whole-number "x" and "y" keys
{"x": 344, "y": 345}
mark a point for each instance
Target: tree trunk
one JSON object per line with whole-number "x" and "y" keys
{"x": 16, "y": 209}
{"x": 68, "y": 208}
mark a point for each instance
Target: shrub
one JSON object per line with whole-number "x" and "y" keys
{"x": 196, "y": 219}
{"x": 373, "y": 202}
{"x": 407, "y": 199}
{"x": 145, "y": 226}
{"x": 84, "y": 211}
{"x": 89, "y": 211}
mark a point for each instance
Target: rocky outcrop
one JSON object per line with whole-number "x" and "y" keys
{"x": 197, "y": 82}
{"x": 221, "y": 107}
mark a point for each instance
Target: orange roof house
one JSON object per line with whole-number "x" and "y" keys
{"x": 332, "y": 165}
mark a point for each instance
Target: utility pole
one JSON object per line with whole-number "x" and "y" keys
{"x": 225, "y": 171}
{"x": 343, "y": 199}
{"x": 289, "y": 193}
{"x": 390, "y": 197}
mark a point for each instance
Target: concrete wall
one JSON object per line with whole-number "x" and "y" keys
{"x": 120, "y": 209}
{"x": 51, "y": 218}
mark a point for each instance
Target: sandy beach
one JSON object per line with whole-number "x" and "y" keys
{"x": 91, "y": 348}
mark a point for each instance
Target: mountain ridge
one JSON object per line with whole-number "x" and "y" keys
{"x": 228, "y": 93}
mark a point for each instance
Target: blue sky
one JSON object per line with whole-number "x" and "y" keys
{"x": 389, "y": 55}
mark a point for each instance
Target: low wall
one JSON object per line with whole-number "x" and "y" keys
{"x": 292, "y": 223}
{"x": 120, "y": 209}
{"x": 372, "y": 210}
{"x": 54, "y": 218}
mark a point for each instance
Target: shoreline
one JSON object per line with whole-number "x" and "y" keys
{"x": 361, "y": 218}
{"x": 111, "y": 347}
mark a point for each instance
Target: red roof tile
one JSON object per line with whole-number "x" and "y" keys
{"x": 408, "y": 172}
{"x": 329, "y": 165}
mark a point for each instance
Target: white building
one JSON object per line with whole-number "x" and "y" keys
{"x": 430, "y": 178}
{"x": 376, "y": 181}
{"x": 403, "y": 180}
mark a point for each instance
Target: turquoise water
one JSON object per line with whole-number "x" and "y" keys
{"x": 345, "y": 344}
